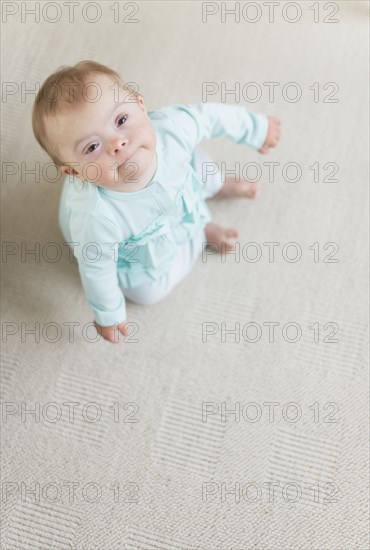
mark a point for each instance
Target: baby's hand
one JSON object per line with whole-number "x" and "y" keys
{"x": 110, "y": 333}
{"x": 273, "y": 135}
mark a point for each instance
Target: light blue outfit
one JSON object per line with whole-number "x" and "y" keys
{"x": 126, "y": 240}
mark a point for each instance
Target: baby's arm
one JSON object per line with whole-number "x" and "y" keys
{"x": 97, "y": 262}
{"x": 110, "y": 333}
{"x": 198, "y": 122}
{"x": 273, "y": 135}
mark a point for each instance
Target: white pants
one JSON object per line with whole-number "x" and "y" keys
{"x": 187, "y": 252}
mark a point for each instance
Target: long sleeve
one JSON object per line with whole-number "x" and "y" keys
{"x": 97, "y": 254}
{"x": 198, "y": 122}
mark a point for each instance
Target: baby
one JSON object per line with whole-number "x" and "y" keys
{"x": 133, "y": 205}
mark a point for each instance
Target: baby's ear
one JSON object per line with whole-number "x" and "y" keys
{"x": 68, "y": 171}
{"x": 141, "y": 103}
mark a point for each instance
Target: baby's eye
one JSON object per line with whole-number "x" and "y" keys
{"x": 125, "y": 117}
{"x": 90, "y": 148}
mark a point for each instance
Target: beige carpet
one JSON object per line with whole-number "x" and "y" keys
{"x": 187, "y": 482}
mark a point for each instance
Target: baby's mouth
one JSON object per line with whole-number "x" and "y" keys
{"x": 123, "y": 168}
{"x": 126, "y": 161}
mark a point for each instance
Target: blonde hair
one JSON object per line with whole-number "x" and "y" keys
{"x": 63, "y": 90}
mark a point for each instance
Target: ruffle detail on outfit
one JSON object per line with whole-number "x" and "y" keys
{"x": 159, "y": 226}
{"x": 194, "y": 210}
{"x": 151, "y": 247}
{"x": 155, "y": 247}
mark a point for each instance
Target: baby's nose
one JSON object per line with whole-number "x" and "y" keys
{"x": 117, "y": 145}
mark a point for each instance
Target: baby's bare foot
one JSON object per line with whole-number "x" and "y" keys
{"x": 219, "y": 238}
{"x": 242, "y": 188}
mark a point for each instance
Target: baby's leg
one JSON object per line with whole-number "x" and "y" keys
{"x": 183, "y": 262}
{"x": 217, "y": 237}
{"x": 213, "y": 184}
{"x": 207, "y": 171}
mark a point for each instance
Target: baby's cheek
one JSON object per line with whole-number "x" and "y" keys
{"x": 150, "y": 138}
{"x": 92, "y": 172}
{"x": 108, "y": 174}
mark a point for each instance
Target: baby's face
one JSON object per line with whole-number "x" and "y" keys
{"x": 111, "y": 142}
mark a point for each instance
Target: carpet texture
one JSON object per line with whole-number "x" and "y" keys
{"x": 191, "y": 436}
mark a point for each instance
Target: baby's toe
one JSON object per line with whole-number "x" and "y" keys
{"x": 231, "y": 233}
{"x": 251, "y": 190}
{"x": 229, "y": 246}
